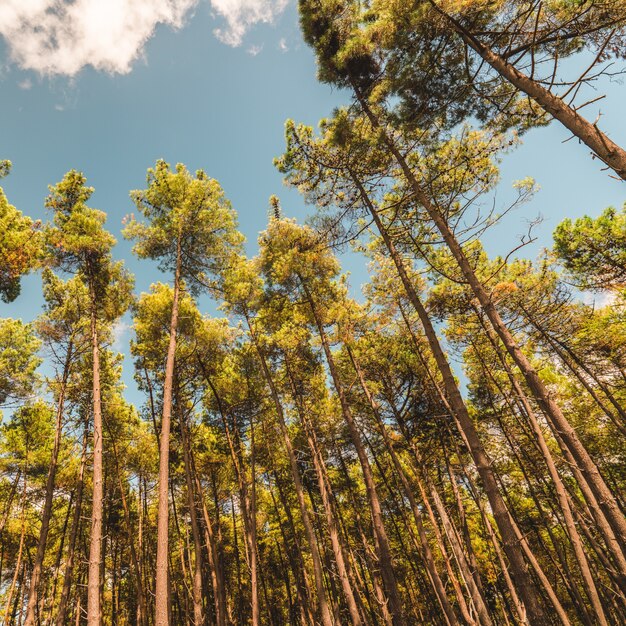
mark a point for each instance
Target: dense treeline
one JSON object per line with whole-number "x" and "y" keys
{"x": 447, "y": 449}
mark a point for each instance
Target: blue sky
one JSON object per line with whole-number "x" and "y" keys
{"x": 217, "y": 102}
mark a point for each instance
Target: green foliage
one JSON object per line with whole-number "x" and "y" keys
{"x": 593, "y": 251}
{"x": 18, "y": 361}
{"x": 20, "y": 244}
{"x": 190, "y": 226}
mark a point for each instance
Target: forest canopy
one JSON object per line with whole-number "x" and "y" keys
{"x": 445, "y": 448}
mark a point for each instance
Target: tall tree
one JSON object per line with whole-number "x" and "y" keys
{"x": 190, "y": 232}
{"x": 78, "y": 243}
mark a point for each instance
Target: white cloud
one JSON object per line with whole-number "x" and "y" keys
{"x": 25, "y": 84}
{"x": 282, "y": 44}
{"x": 63, "y": 36}
{"x": 58, "y": 37}
{"x": 240, "y": 15}
{"x": 254, "y": 50}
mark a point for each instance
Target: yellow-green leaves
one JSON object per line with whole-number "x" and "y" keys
{"x": 593, "y": 251}
{"x": 20, "y": 244}
{"x": 18, "y": 361}
{"x": 189, "y": 224}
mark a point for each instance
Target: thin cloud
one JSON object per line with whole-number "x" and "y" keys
{"x": 61, "y": 37}
{"x": 254, "y": 50}
{"x": 241, "y": 15}
{"x": 119, "y": 333}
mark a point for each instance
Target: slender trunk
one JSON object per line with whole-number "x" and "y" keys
{"x": 295, "y": 557}
{"x": 519, "y": 569}
{"x": 519, "y": 607}
{"x": 251, "y": 534}
{"x": 568, "y": 517}
{"x": 606, "y": 150}
{"x": 47, "y": 507}
{"x": 322, "y": 601}
{"x": 141, "y": 598}
{"x": 57, "y": 564}
{"x": 368, "y": 553}
{"x": 196, "y": 587}
{"x": 383, "y": 550}
{"x": 544, "y": 398}
{"x": 565, "y": 353}
{"x": 11, "y": 495}
{"x": 142, "y": 618}
{"x": 322, "y": 478}
{"x": 217, "y": 576}
{"x": 162, "y": 605}
{"x": 247, "y": 499}
{"x": 94, "y": 616}
{"x": 18, "y": 564}
{"x": 427, "y": 554}
{"x": 71, "y": 549}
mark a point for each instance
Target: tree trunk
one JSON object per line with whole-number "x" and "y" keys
{"x": 322, "y": 601}
{"x": 247, "y": 499}
{"x": 162, "y": 604}
{"x": 94, "y": 616}
{"x": 196, "y": 588}
{"x": 606, "y": 150}
{"x": 427, "y": 554}
{"x": 519, "y": 569}
{"x": 547, "y": 404}
{"x": 568, "y": 517}
{"x": 383, "y": 549}
{"x": 46, "y": 514}
{"x": 71, "y": 549}
{"x": 324, "y": 487}
{"x": 141, "y": 598}
{"x": 20, "y": 552}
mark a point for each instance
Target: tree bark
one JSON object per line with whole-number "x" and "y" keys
{"x": 519, "y": 569}
{"x": 46, "y": 514}
{"x": 604, "y": 148}
{"x": 381, "y": 541}
{"x": 94, "y": 615}
{"x": 162, "y": 588}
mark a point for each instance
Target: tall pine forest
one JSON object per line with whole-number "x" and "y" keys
{"x": 445, "y": 447}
